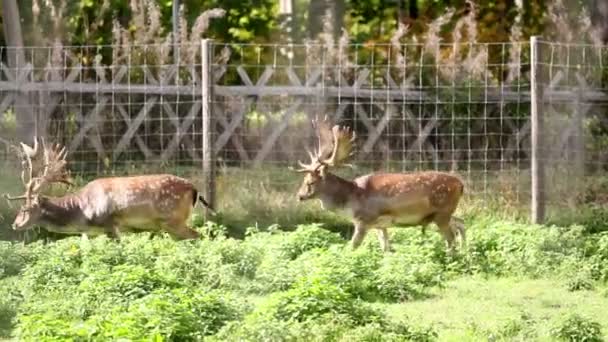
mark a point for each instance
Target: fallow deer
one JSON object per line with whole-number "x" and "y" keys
{"x": 379, "y": 200}
{"x": 105, "y": 205}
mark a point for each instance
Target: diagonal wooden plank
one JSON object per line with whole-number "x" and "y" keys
{"x": 237, "y": 119}
{"x": 139, "y": 119}
{"x": 339, "y": 113}
{"x": 375, "y": 134}
{"x": 100, "y": 71}
{"x": 169, "y": 75}
{"x": 361, "y": 78}
{"x": 362, "y": 114}
{"x": 293, "y": 77}
{"x": 74, "y": 72}
{"x": 90, "y": 120}
{"x": 272, "y": 138}
{"x": 93, "y": 135}
{"x": 7, "y": 100}
{"x": 244, "y": 76}
{"x": 52, "y": 73}
{"x": 218, "y": 73}
{"x": 413, "y": 124}
{"x": 195, "y": 78}
{"x": 391, "y": 82}
{"x": 7, "y": 72}
{"x": 174, "y": 119}
{"x": 268, "y": 71}
{"x": 422, "y": 137}
{"x": 148, "y": 75}
{"x": 181, "y": 130}
{"x": 235, "y": 139}
{"x": 24, "y": 73}
{"x": 138, "y": 140}
{"x": 314, "y": 76}
{"x": 120, "y": 74}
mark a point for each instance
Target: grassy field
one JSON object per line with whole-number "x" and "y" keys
{"x": 266, "y": 271}
{"x": 514, "y": 282}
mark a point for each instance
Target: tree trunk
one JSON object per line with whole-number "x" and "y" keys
{"x": 16, "y": 61}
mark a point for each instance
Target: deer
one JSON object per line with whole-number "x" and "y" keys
{"x": 111, "y": 205}
{"x": 379, "y": 200}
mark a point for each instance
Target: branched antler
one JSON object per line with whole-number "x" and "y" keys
{"x": 335, "y": 146}
{"x": 43, "y": 165}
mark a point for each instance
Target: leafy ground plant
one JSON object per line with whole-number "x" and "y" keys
{"x": 513, "y": 282}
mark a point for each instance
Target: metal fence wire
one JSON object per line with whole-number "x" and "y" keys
{"x": 458, "y": 107}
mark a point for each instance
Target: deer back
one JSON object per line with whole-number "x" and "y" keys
{"x": 138, "y": 197}
{"x": 411, "y": 195}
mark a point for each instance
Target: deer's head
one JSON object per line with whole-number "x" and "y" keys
{"x": 335, "y": 146}
{"x": 41, "y": 165}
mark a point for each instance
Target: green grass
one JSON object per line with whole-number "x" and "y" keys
{"x": 477, "y": 308}
{"x": 514, "y": 282}
{"x": 302, "y": 282}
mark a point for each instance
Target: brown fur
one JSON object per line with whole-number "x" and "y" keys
{"x": 385, "y": 199}
{"x": 109, "y": 205}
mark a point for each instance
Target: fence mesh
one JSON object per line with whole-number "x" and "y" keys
{"x": 459, "y": 107}
{"x": 575, "y": 127}
{"x": 115, "y": 107}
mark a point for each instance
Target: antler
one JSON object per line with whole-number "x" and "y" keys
{"x": 43, "y": 166}
{"x": 30, "y": 160}
{"x": 55, "y": 164}
{"x": 335, "y": 146}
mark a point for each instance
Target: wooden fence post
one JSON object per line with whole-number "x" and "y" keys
{"x": 536, "y": 134}
{"x": 208, "y": 127}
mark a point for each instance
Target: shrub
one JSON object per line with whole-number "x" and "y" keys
{"x": 577, "y": 328}
{"x": 314, "y": 297}
{"x": 285, "y": 256}
{"x": 245, "y": 257}
{"x": 395, "y": 332}
{"x": 406, "y": 276}
{"x": 262, "y": 328}
{"x": 122, "y": 284}
{"x": 580, "y": 281}
{"x": 13, "y": 258}
{"x": 9, "y": 302}
{"x": 177, "y": 314}
{"x": 307, "y": 237}
{"x": 199, "y": 266}
{"x": 59, "y": 268}
{"x": 351, "y": 271}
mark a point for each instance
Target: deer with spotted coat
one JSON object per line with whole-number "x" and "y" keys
{"x": 379, "y": 200}
{"x": 105, "y": 205}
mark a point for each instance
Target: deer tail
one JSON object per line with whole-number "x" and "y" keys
{"x": 198, "y": 197}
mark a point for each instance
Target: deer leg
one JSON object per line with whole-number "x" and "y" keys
{"x": 443, "y": 222}
{"x": 180, "y": 231}
{"x": 359, "y": 235}
{"x": 457, "y": 225}
{"x": 425, "y": 223}
{"x": 113, "y": 233}
{"x": 383, "y": 238}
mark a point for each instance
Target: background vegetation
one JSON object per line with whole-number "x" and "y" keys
{"x": 266, "y": 268}
{"x": 515, "y": 282}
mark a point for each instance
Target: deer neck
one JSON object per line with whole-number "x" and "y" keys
{"x": 337, "y": 192}
{"x": 61, "y": 211}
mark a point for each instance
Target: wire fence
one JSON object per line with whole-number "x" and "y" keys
{"x": 459, "y": 107}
